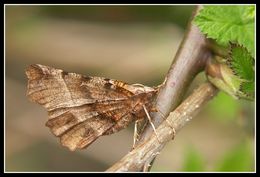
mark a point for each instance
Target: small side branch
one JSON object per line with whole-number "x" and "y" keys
{"x": 145, "y": 152}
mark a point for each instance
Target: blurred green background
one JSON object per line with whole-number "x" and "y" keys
{"x": 135, "y": 44}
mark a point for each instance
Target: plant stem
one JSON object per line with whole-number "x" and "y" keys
{"x": 190, "y": 59}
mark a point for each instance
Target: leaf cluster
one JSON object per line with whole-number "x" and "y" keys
{"x": 232, "y": 27}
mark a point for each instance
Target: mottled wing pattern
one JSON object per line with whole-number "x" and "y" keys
{"x": 55, "y": 88}
{"x": 80, "y": 108}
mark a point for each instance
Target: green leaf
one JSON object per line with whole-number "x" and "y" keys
{"x": 241, "y": 62}
{"x": 223, "y": 77}
{"x": 248, "y": 88}
{"x": 193, "y": 160}
{"x": 235, "y": 23}
{"x": 250, "y": 13}
{"x": 240, "y": 158}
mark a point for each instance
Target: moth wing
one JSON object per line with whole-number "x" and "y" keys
{"x": 80, "y": 108}
{"x": 53, "y": 88}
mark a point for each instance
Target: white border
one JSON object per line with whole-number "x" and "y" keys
{"x": 120, "y": 5}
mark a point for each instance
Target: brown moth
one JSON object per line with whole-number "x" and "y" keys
{"x": 83, "y": 108}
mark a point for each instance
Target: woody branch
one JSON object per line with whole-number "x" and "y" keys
{"x": 190, "y": 59}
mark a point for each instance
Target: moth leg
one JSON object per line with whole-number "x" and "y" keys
{"x": 167, "y": 121}
{"x": 136, "y": 134}
{"x": 150, "y": 120}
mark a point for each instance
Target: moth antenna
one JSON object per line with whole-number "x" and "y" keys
{"x": 150, "y": 120}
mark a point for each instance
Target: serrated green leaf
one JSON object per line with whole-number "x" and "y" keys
{"x": 235, "y": 23}
{"x": 225, "y": 79}
{"x": 242, "y": 63}
{"x": 248, "y": 88}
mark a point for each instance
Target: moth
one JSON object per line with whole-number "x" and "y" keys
{"x": 83, "y": 108}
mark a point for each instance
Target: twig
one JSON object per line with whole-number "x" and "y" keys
{"x": 145, "y": 152}
{"x": 190, "y": 59}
